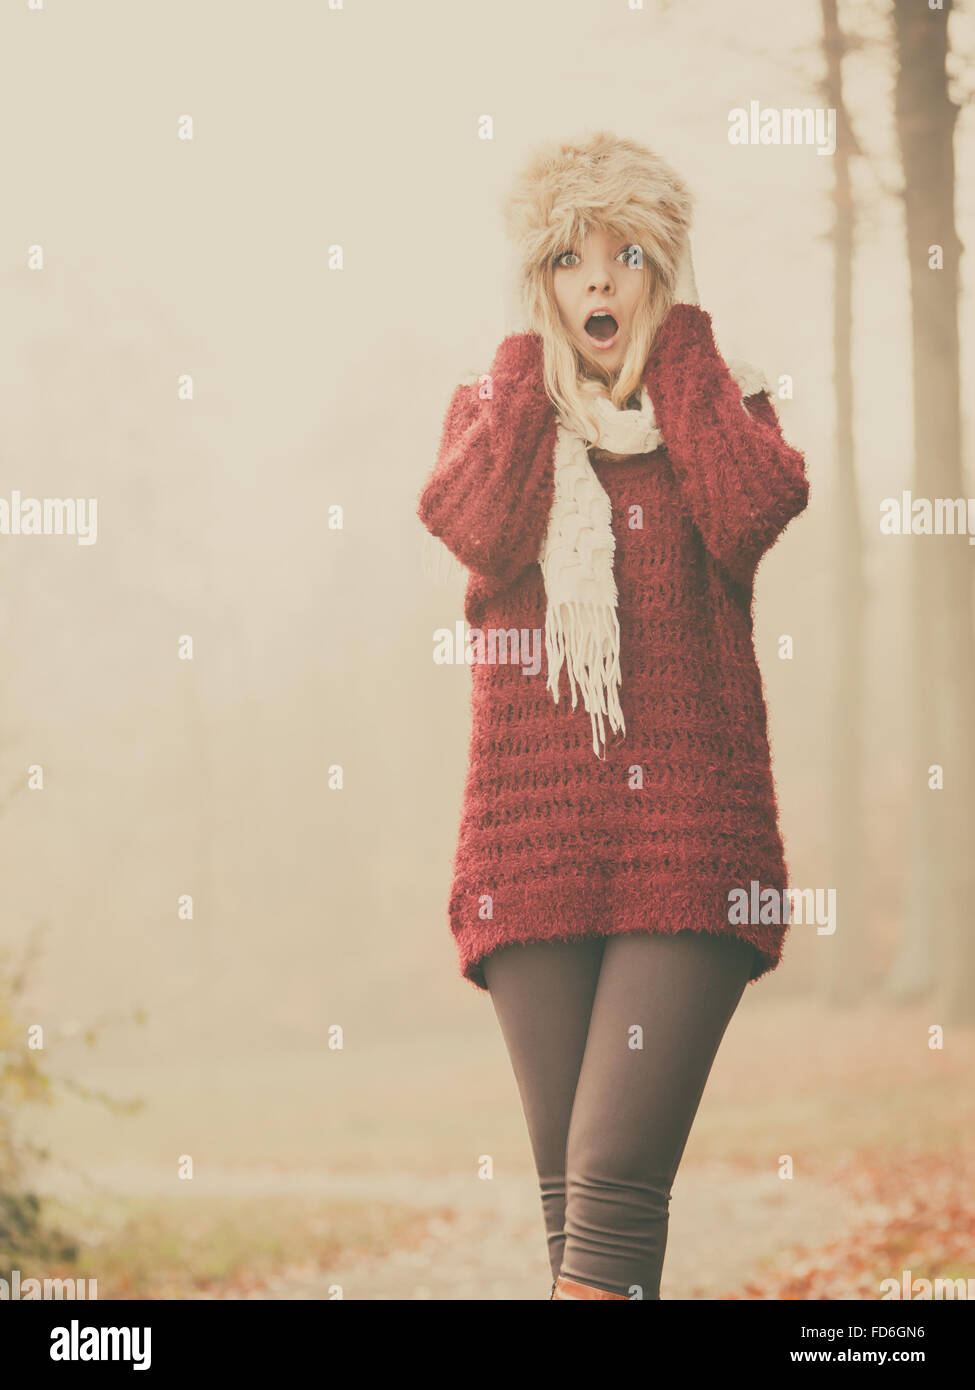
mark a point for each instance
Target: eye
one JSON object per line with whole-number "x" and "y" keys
{"x": 631, "y": 255}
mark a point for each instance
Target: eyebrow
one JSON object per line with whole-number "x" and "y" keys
{"x": 623, "y": 241}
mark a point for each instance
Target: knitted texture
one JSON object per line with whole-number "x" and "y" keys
{"x": 681, "y": 813}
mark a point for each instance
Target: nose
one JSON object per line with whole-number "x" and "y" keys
{"x": 601, "y": 281}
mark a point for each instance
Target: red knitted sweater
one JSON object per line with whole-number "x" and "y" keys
{"x": 678, "y": 824}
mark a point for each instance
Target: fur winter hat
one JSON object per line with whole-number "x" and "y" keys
{"x": 600, "y": 180}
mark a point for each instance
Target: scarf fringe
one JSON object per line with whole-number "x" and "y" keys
{"x": 585, "y": 638}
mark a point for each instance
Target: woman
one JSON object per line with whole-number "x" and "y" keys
{"x": 618, "y": 879}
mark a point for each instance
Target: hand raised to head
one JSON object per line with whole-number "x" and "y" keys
{"x": 685, "y": 291}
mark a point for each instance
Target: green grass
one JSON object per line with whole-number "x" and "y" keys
{"x": 178, "y": 1246}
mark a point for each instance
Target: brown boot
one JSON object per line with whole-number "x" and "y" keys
{"x": 569, "y": 1288}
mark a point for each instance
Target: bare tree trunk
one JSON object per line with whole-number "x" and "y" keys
{"x": 843, "y": 979}
{"x": 938, "y": 942}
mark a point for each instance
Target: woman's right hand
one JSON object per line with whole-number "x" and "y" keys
{"x": 519, "y": 360}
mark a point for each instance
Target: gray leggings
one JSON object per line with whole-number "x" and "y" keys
{"x": 609, "y": 1118}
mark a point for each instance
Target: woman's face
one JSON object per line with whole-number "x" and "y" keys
{"x": 605, "y": 273}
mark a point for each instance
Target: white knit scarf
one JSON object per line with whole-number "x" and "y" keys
{"x": 582, "y": 630}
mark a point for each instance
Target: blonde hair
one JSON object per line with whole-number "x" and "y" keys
{"x": 565, "y": 190}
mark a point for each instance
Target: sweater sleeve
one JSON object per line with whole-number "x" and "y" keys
{"x": 490, "y": 493}
{"x": 741, "y": 481}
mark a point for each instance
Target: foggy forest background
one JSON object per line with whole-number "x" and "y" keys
{"x": 316, "y": 387}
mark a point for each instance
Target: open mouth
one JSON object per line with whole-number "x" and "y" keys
{"x": 602, "y": 328}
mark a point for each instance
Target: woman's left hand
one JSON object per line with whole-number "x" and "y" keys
{"x": 685, "y": 291}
